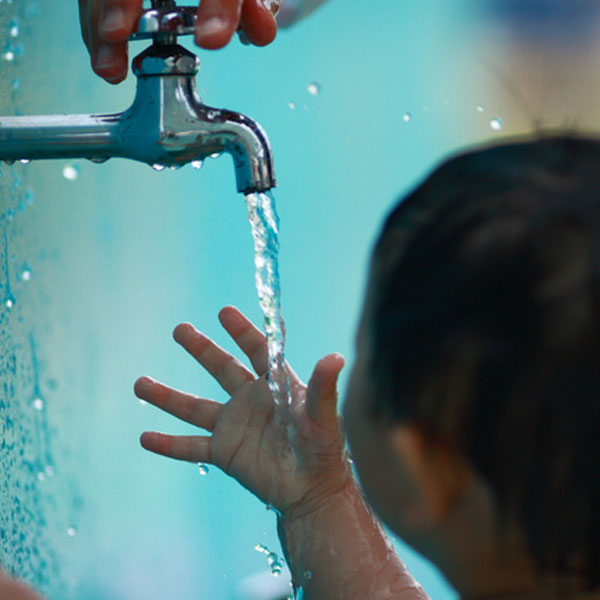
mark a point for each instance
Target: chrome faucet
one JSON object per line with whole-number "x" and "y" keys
{"x": 166, "y": 126}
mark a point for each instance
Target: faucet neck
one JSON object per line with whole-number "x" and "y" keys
{"x": 162, "y": 59}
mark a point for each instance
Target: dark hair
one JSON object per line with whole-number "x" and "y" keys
{"x": 486, "y": 332}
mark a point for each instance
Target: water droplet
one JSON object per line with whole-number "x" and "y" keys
{"x": 25, "y": 161}
{"x": 202, "y": 469}
{"x": 41, "y": 476}
{"x": 307, "y": 575}
{"x": 9, "y": 56}
{"x": 13, "y": 28}
{"x": 98, "y": 159}
{"x": 29, "y": 197}
{"x": 292, "y": 105}
{"x": 26, "y": 274}
{"x": 9, "y": 162}
{"x": 407, "y": 117}
{"x": 314, "y": 88}
{"x": 49, "y": 470}
{"x": 197, "y": 164}
{"x": 71, "y": 531}
{"x": 71, "y": 172}
{"x": 215, "y": 155}
{"x": 16, "y": 84}
{"x": 38, "y": 404}
{"x": 480, "y": 108}
{"x": 496, "y": 124}
{"x": 158, "y": 167}
{"x": 10, "y": 303}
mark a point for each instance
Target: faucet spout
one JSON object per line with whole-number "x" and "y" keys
{"x": 167, "y": 124}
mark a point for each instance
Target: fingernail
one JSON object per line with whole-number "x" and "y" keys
{"x": 105, "y": 57}
{"x": 211, "y": 26}
{"x": 114, "y": 20}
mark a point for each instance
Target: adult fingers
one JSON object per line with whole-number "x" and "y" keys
{"x": 258, "y": 22}
{"x": 217, "y": 21}
{"x": 321, "y": 392}
{"x": 227, "y": 370}
{"x": 108, "y": 58}
{"x": 118, "y": 18}
{"x": 194, "y": 448}
{"x": 191, "y": 409}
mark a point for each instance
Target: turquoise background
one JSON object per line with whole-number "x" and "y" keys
{"x": 122, "y": 254}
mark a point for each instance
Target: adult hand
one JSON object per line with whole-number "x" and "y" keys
{"x": 292, "y": 459}
{"x": 106, "y": 25}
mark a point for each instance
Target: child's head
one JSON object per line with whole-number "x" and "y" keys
{"x": 481, "y": 339}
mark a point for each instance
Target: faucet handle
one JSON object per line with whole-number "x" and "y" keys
{"x": 165, "y": 20}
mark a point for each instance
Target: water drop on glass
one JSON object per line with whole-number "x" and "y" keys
{"x": 71, "y": 172}
{"x": 41, "y": 476}
{"x": 49, "y": 471}
{"x": 202, "y": 469}
{"x": 38, "y": 404}
{"x": 496, "y": 124}
{"x": 25, "y": 161}
{"x": 9, "y": 56}
{"x": 314, "y": 88}
{"x": 26, "y": 275}
{"x": 98, "y": 159}
{"x": 215, "y": 155}
{"x": 158, "y": 167}
{"x": 197, "y": 164}
{"x": 292, "y": 105}
{"x": 407, "y": 117}
{"x": 10, "y": 303}
{"x": 71, "y": 531}
{"x": 480, "y": 108}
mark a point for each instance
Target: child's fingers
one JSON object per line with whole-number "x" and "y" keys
{"x": 227, "y": 370}
{"x": 321, "y": 393}
{"x": 194, "y": 448}
{"x": 250, "y": 339}
{"x": 191, "y": 409}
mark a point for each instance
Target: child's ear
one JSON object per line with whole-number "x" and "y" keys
{"x": 439, "y": 473}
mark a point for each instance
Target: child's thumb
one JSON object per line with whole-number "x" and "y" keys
{"x": 321, "y": 393}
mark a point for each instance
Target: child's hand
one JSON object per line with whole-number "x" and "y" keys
{"x": 292, "y": 459}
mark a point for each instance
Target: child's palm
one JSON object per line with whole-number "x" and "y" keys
{"x": 290, "y": 457}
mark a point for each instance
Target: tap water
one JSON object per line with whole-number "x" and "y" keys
{"x": 265, "y": 232}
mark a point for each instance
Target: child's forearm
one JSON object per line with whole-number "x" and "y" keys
{"x": 339, "y": 551}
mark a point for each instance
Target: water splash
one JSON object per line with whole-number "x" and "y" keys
{"x": 274, "y": 561}
{"x": 265, "y": 231}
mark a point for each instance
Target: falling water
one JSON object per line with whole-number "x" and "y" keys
{"x": 265, "y": 231}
